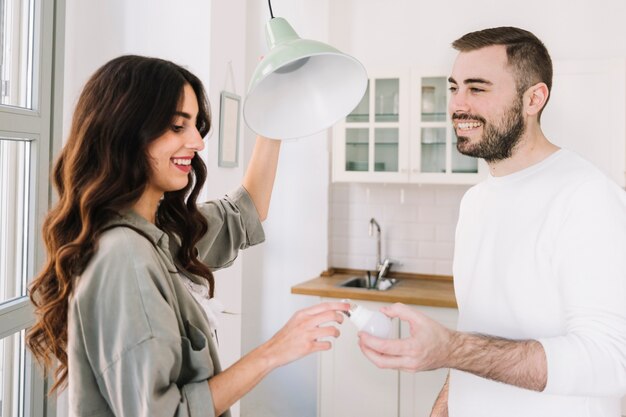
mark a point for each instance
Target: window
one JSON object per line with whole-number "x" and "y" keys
{"x": 30, "y": 37}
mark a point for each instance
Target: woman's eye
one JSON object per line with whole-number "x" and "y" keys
{"x": 177, "y": 128}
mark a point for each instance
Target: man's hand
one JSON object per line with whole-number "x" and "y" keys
{"x": 432, "y": 346}
{"x": 427, "y": 347}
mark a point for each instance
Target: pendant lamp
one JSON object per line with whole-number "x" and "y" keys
{"x": 301, "y": 86}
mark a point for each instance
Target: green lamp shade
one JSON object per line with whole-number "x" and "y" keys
{"x": 301, "y": 86}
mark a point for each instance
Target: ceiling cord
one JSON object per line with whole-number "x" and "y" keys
{"x": 271, "y": 12}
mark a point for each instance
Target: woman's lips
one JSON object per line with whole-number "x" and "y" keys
{"x": 184, "y": 164}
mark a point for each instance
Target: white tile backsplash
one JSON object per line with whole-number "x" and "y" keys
{"x": 445, "y": 232}
{"x": 436, "y": 250}
{"x": 437, "y": 214}
{"x": 398, "y": 213}
{"x": 365, "y": 211}
{"x": 417, "y": 222}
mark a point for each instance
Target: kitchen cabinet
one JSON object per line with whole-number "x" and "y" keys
{"x": 371, "y": 143}
{"x": 350, "y": 385}
{"x": 401, "y": 133}
{"x": 419, "y": 390}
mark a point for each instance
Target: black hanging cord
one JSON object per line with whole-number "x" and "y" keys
{"x": 271, "y": 12}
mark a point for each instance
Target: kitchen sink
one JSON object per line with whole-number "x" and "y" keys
{"x": 361, "y": 282}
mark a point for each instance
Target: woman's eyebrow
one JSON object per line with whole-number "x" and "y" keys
{"x": 183, "y": 114}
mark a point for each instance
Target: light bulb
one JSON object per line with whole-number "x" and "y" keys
{"x": 372, "y": 322}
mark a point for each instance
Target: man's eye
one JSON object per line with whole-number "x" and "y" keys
{"x": 452, "y": 89}
{"x": 476, "y": 90}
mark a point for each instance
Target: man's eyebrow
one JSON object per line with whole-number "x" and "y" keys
{"x": 471, "y": 81}
{"x": 477, "y": 81}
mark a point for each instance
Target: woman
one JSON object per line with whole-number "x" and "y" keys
{"x": 126, "y": 237}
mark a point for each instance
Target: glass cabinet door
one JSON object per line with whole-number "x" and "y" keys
{"x": 386, "y": 149}
{"x": 357, "y": 149}
{"x": 433, "y": 155}
{"x": 372, "y": 130}
{"x": 387, "y": 100}
{"x": 357, "y": 138}
{"x": 433, "y": 126}
{"x": 434, "y": 105}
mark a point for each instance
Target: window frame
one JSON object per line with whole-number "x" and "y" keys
{"x": 42, "y": 126}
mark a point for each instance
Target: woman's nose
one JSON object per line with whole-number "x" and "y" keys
{"x": 195, "y": 142}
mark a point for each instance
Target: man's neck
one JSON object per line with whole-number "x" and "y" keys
{"x": 532, "y": 148}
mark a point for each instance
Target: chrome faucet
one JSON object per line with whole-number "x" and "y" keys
{"x": 382, "y": 267}
{"x": 373, "y": 223}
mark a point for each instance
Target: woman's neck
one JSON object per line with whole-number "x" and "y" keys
{"x": 147, "y": 205}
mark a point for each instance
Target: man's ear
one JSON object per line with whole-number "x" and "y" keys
{"x": 536, "y": 98}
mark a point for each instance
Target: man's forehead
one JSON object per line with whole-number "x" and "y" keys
{"x": 489, "y": 63}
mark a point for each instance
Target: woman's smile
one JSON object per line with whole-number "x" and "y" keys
{"x": 182, "y": 163}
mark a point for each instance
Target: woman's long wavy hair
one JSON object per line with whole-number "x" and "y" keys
{"x": 102, "y": 170}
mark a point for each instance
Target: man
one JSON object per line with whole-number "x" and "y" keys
{"x": 540, "y": 256}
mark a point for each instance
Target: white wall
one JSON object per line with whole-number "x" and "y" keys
{"x": 99, "y": 31}
{"x": 406, "y": 33}
{"x": 296, "y": 248}
{"x": 227, "y": 72}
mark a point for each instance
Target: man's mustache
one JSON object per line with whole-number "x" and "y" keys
{"x": 467, "y": 116}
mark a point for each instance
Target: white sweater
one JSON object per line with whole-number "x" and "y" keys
{"x": 541, "y": 254}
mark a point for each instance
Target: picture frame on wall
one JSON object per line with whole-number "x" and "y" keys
{"x": 228, "y": 150}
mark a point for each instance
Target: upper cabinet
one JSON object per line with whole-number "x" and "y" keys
{"x": 401, "y": 133}
{"x": 370, "y": 144}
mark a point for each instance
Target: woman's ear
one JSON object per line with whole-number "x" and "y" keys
{"x": 537, "y": 96}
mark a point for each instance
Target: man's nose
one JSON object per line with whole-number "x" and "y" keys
{"x": 458, "y": 103}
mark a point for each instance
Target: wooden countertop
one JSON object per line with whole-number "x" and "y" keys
{"x": 418, "y": 289}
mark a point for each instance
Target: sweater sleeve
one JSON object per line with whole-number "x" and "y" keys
{"x": 233, "y": 225}
{"x": 590, "y": 263}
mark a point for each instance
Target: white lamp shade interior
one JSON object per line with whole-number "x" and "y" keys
{"x": 305, "y": 96}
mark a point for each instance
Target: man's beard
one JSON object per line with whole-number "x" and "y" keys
{"x": 498, "y": 141}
